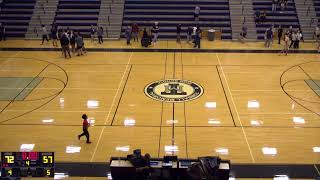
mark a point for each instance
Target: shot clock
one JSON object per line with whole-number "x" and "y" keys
{"x": 24, "y": 164}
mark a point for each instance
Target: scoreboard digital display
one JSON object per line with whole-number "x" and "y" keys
{"x": 24, "y": 164}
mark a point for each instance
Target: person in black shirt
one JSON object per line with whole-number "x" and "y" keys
{"x": 197, "y": 38}
{"x": 280, "y": 32}
{"x": 189, "y": 34}
{"x": 54, "y": 36}
{"x": 178, "y": 33}
{"x": 64, "y": 40}
{"x": 2, "y": 32}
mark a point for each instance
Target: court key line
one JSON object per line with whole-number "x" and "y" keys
{"x": 231, "y": 97}
{"x": 113, "y": 101}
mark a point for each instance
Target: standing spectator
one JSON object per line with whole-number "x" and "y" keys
{"x": 268, "y": 37}
{"x": 135, "y": 32}
{"x": 294, "y": 39}
{"x": 286, "y": 44}
{"x": 79, "y": 42}
{"x": 92, "y": 33}
{"x": 100, "y": 35}
{"x": 317, "y": 33}
{"x": 280, "y": 32}
{"x": 263, "y": 16}
{"x": 155, "y": 31}
{"x": 274, "y": 5}
{"x": 196, "y": 13}
{"x": 243, "y": 33}
{"x": 128, "y": 35}
{"x": 44, "y": 34}
{"x": 301, "y": 34}
{"x": 178, "y": 33}
{"x": 299, "y": 38}
{"x": 64, "y": 41}
{"x": 257, "y": 16}
{"x": 72, "y": 38}
{"x": 197, "y": 38}
{"x": 2, "y": 32}
{"x": 189, "y": 34}
{"x": 145, "y": 40}
{"x": 54, "y": 35}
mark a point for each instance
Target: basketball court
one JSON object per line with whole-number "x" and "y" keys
{"x": 253, "y": 107}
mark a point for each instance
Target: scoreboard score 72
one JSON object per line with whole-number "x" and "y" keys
{"x": 25, "y": 164}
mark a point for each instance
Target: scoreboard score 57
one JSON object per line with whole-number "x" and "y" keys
{"x": 24, "y": 164}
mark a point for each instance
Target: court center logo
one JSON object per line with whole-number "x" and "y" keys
{"x": 173, "y": 90}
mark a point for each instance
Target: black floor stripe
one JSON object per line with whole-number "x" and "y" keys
{"x": 125, "y": 84}
{"x": 225, "y": 95}
{"x": 168, "y": 50}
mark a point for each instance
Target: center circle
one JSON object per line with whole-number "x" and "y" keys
{"x": 173, "y": 90}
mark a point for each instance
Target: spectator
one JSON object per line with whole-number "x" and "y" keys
{"x": 79, "y": 42}
{"x": 100, "y": 35}
{"x": 243, "y": 33}
{"x": 145, "y": 40}
{"x": 196, "y": 13}
{"x": 274, "y": 5}
{"x": 257, "y": 16}
{"x": 294, "y": 39}
{"x": 299, "y": 38}
{"x": 92, "y": 33}
{"x": 135, "y": 32}
{"x": 268, "y": 37}
{"x": 44, "y": 34}
{"x": 317, "y": 33}
{"x": 189, "y": 34}
{"x": 263, "y": 16}
{"x": 286, "y": 44}
{"x": 280, "y": 32}
{"x": 64, "y": 41}
{"x": 155, "y": 31}
{"x": 72, "y": 38}
{"x": 54, "y": 35}
{"x": 128, "y": 35}
{"x": 301, "y": 34}
{"x": 2, "y": 32}
{"x": 197, "y": 39}
{"x": 178, "y": 33}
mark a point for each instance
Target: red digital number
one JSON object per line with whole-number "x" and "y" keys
{"x": 33, "y": 155}
{"x": 25, "y": 156}
{"x": 30, "y": 156}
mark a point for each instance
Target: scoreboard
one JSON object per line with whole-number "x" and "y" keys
{"x": 26, "y": 164}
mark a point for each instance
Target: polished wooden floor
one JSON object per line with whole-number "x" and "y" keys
{"x": 115, "y": 81}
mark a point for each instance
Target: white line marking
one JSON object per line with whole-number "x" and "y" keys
{"x": 244, "y": 133}
{"x": 113, "y": 101}
{"x": 317, "y": 169}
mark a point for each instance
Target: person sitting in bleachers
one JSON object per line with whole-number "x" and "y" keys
{"x": 257, "y": 16}
{"x": 146, "y": 39}
{"x": 2, "y": 32}
{"x": 263, "y": 16}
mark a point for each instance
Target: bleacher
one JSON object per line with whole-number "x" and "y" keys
{"x": 78, "y": 15}
{"x": 169, "y": 13}
{"x": 317, "y": 8}
{"x": 285, "y": 18}
{"x": 15, "y": 15}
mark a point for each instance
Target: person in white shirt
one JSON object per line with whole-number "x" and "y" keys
{"x": 196, "y": 13}
{"x": 44, "y": 34}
